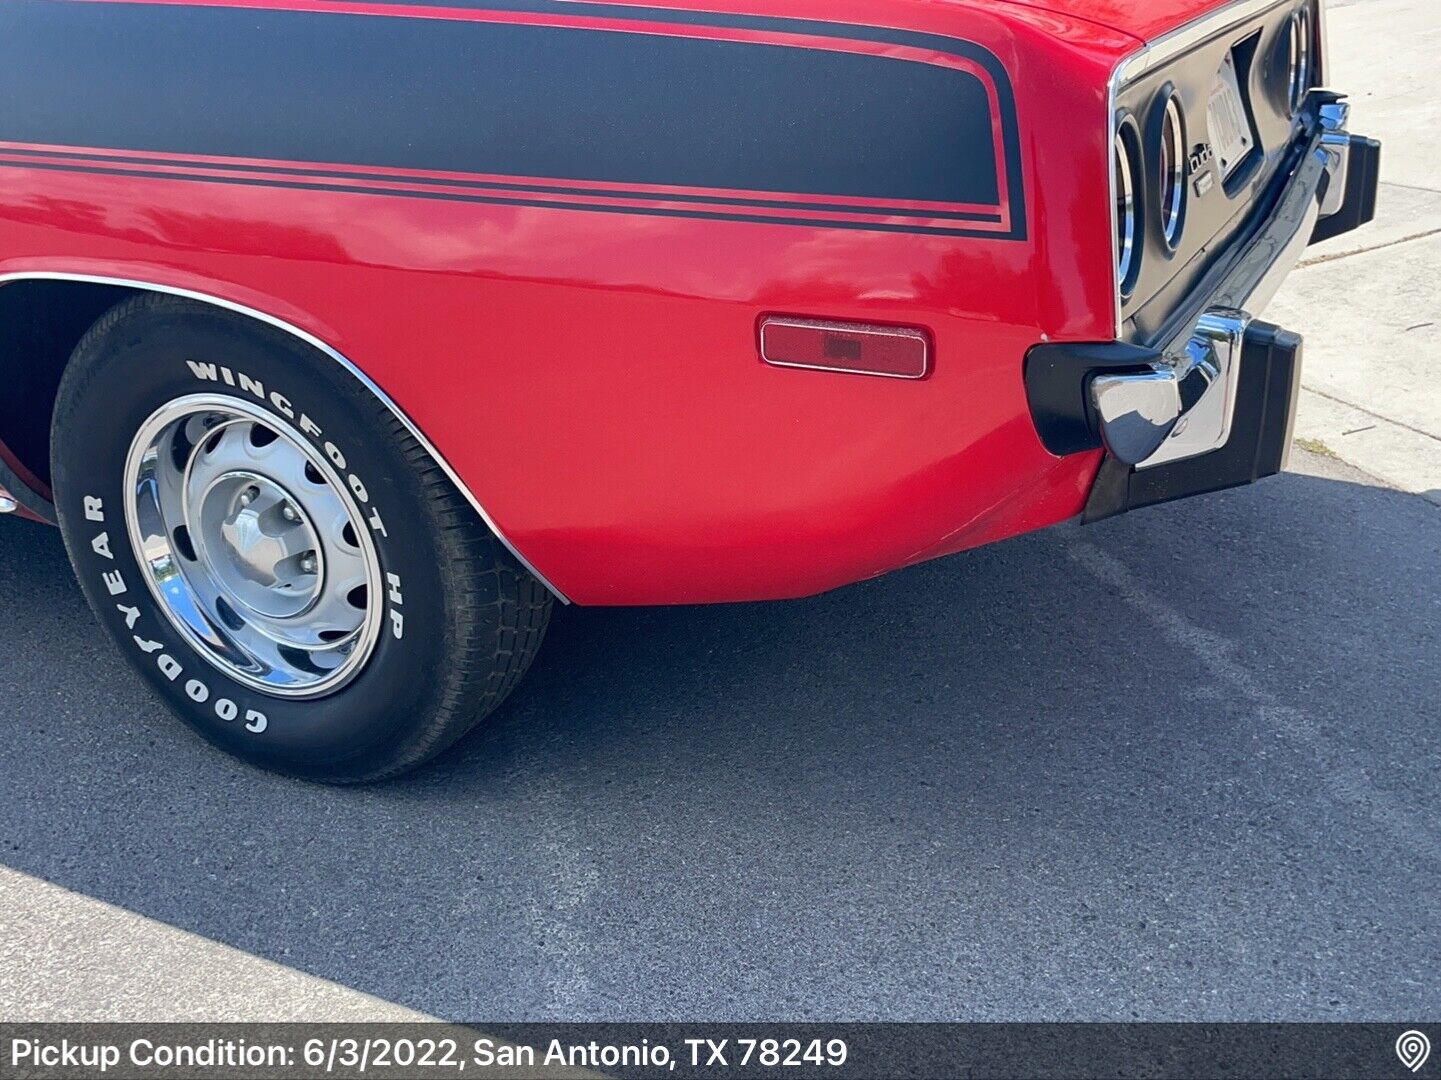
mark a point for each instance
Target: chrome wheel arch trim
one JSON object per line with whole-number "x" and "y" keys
{"x": 315, "y": 343}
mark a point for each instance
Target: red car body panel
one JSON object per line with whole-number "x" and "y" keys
{"x": 1146, "y": 20}
{"x": 593, "y": 377}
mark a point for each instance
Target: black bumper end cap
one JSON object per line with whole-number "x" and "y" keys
{"x": 1057, "y": 376}
{"x": 1363, "y": 184}
{"x": 1260, "y": 439}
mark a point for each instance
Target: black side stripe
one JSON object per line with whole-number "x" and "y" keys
{"x": 815, "y": 127}
{"x": 940, "y": 43}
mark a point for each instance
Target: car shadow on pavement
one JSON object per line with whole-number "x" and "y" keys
{"x": 1177, "y": 765}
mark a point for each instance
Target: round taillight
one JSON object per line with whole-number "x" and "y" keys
{"x": 1173, "y": 172}
{"x": 1299, "y": 64}
{"x": 1128, "y": 223}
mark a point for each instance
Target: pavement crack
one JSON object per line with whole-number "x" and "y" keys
{"x": 1322, "y": 260}
{"x": 1371, "y": 413}
{"x": 1378, "y": 481}
{"x": 1410, "y": 187}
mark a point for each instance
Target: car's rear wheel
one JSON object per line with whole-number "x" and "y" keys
{"x": 275, "y": 552}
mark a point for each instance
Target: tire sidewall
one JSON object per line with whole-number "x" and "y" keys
{"x": 158, "y": 353}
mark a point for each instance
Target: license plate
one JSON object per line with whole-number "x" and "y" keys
{"x": 1226, "y": 116}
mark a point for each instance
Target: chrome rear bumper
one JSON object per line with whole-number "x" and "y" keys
{"x": 1181, "y": 404}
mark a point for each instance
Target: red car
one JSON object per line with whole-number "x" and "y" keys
{"x": 344, "y": 337}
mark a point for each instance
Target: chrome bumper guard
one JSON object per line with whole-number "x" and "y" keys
{"x": 1183, "y": 405}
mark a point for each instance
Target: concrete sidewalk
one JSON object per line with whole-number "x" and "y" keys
{"x": 1369, "y": 304}
{"x": 72, "y": 959}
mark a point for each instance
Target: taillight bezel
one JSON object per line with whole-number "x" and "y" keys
{"x": 1172, "y": 165}
{"x": 1128, "y": 204}
{"x": 1301, "y": 52}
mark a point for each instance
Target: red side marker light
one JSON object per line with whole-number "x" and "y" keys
{"x": 894, "y": 352}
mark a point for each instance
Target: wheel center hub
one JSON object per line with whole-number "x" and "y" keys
{"x": 254, "y": 553}
{"x": 259, "y": 544}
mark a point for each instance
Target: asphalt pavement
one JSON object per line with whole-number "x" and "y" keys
{"x": 1180, "y": 765}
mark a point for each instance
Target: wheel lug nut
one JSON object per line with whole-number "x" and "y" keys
{"x": 289, "y": 514}
{"x": 308, "y": 564}
{"x": 246, "y": 498}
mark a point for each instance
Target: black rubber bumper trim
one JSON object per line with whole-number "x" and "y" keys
{"x": 1267, "y": 386}
{"x": 1057, "y": 377}
{"x": 1363, "y": 183}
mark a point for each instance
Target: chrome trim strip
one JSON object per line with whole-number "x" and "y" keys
{"x": 1113, "y": 132}
{"x": 1169, "y": 46}
{"x": 316, "y": 343}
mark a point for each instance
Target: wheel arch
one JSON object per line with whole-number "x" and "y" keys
{"x": 118, "y": 288}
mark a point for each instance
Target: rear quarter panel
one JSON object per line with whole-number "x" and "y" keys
{"x": 582, "y": 350}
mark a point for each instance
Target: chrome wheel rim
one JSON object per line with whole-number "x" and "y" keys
{"x": 252, "y": 545}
